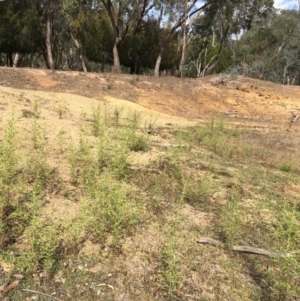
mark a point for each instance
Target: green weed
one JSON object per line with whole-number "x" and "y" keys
{"x": 117, "y": 116}
{"x": 133, "y": 119}
{"x": 8, "y": 180}
{"x": 36, "y": 109}
{"x": 97, "y": 122}
{"x": 37, "y": 171}
{"x": 287, "y": 166}
{"x": 109, "y": 211}
{"x": 197, "y": 191}
{"x": 171, "y": 259}
{"x": 230, "y": 230}
{"x": 137, "y": 142}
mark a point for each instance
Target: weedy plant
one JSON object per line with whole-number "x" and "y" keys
{"x": 8, "y": 164}
{"x": 42, "y": 252}
{"x": 109, "y": 211}
{"x": 133, "y": 119}
{"x": 97, "y": 122}
{"x": 171, "y": 261}
{"x": 37, "y": 170}
{"x": 117, "y": 116}
{"x": 287, "y": 166}
{"x": 197, "y": 191}
{"x": 36, "y": 109}
{"x": 137, "y": 142}
{"x": 61, "y": 110}
{"x": 150, "y": 125}
{"x": 230, "y": 230}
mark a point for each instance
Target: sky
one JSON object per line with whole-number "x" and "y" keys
{"x": 283, "y": 4}
{"x": 290, "y": 4}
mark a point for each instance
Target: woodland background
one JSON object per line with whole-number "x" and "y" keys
{"x": 168, "y": 37}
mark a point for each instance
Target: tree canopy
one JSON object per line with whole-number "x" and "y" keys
{"x": 177, "y": 37}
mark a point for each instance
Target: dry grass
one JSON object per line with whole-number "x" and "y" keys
{"x": 99, "y": 226}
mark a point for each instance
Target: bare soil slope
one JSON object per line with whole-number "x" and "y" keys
{"x": 244, "y": 99}
{"x": 263, "y": 108}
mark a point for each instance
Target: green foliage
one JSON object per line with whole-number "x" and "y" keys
{"x": 230, "y": 231}
{"x": 138, "y": 142}
{"x": 8, "y": 164}
{"x": 44, "y": 242}
{"x": 287, "y": 166}
{"x": 109, "y": 211}
{"x": 270, "y": 49}
{"x": 196, "y": 192}
{"x": 140, "y": 37}
{"x": 170, "y": 260}
{"x": 202, "y": 52}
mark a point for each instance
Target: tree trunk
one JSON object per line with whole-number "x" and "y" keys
{"x": 117, "y": 66}
{"x": 16, "y": 59}
{"x": 49, "y": 56}
{"x": 218, "y": 55}
{"x": 179, "y": 22}
{"x": 83, "y": 66}
{"x": 79, "y": 49}
{"x": 183, "y": 48}
{"x": 157, "y": 64}
{"x": 9, "y": 59}
{"x": 31, "y": 60}
{"x": 182, "y": 59}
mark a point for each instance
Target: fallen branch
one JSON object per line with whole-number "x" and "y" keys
{"x": 6, "y": 288}
{"x": 166, "y": 144}
{"x": 295, "y": 117}
{"x": 246, "y": 249}
{"x": 231, "y": 113}
{"x": 134, "y": 168}
{"x": 42, "y": 294}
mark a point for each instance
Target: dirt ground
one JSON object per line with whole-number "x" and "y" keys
{"x": 243, "y": 100}
{"x": 64, "y": 100}
{"x": 264, "y": 110}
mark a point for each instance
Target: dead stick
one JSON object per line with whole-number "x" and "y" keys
{"x": 295, "y": 118}
{"x": 246, "y": 249}
{"x": 166, "y": 144}
{"x": 145, "y": 169}
{"x": 231, "y": 113}
{"x": 258, "y": 251}
{"x": 210, "y": 241}
{"x": 42, "y": 294}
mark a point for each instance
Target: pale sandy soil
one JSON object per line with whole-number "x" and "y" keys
{"x": 66, "y": 100}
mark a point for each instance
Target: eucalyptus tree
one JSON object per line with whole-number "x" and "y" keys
{"x": 126, "y": 17}
{"x": 177, "y": 12}
{"x": 19, "y": 30}
{"x": 271, "y": 50}
{"x": 215, "y": 27}
{"x": 49, "y": 10}
{"x": 75, "y": 14}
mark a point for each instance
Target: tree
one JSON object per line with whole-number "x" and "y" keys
{"x": 125, "y": 16}
{"x": 270, "y": 50}
{"x": 217, "y": 24}
{"x": 178, "y": 11}
{"x": 74, "y": 15}
{"x": 19, "y": 30}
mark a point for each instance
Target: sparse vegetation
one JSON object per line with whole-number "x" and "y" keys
{"x": 61, "y": 110}
{"x": 135, "y": 227}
